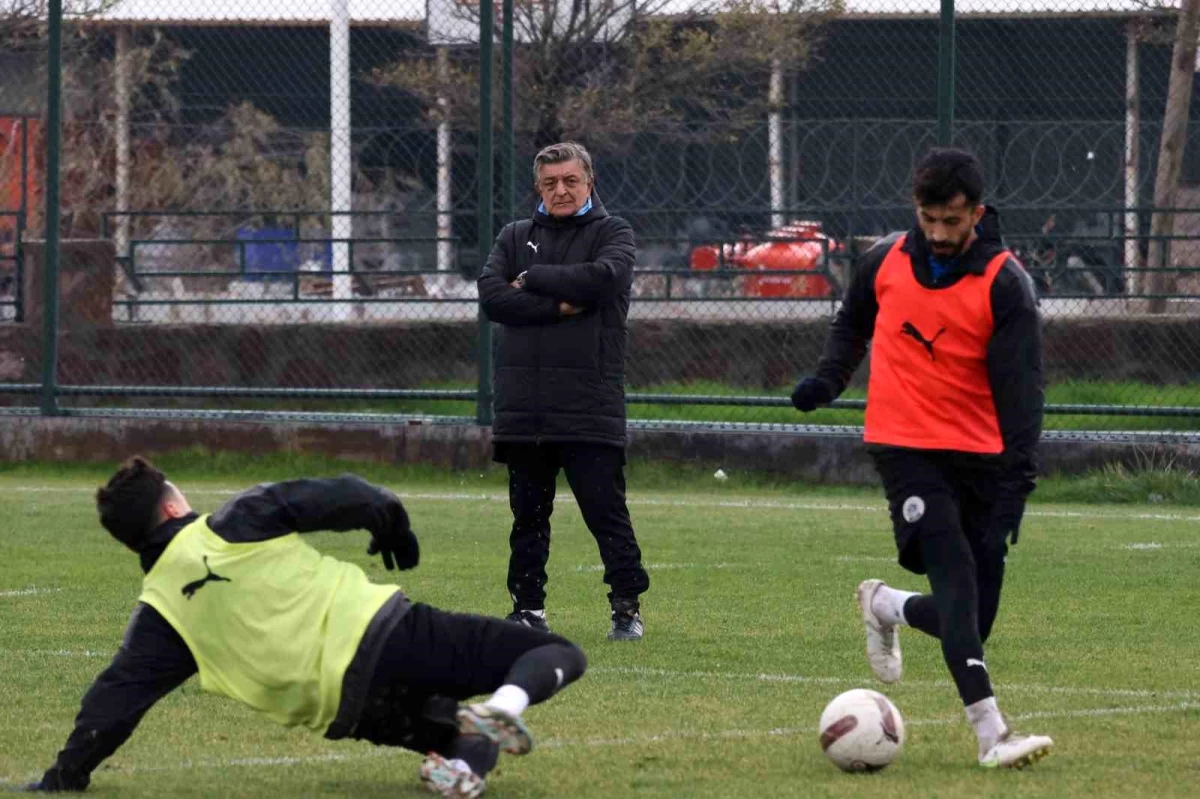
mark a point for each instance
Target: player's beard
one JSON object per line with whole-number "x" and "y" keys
{"x": 949, "y": 249}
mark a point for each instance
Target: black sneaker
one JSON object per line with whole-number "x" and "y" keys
{"x": 529, "y": 619}
{"x": 626, "y": 622}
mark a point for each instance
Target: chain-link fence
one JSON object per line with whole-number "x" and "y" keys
{"x": 276, "y": 204}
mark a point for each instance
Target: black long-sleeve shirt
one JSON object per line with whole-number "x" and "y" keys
{"x": 1014, "y": 354}
{"x": 153, "y": 659}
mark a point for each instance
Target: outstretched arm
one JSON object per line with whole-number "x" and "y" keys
{"x": 152, "y": 661}
{"x": 336, "y": 504}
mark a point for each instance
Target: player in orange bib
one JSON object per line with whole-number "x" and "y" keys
{"x": 954, "y": 413}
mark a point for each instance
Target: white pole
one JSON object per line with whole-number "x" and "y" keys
{"x": 340, "y": 166}
{"x": 124, "y": 105}
{"x": 445, "y": 218}
{"x": 1132, "y": 152}
{"x": 775, "y": 142}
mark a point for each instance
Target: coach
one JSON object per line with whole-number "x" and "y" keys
{"x": 558, "y": 287}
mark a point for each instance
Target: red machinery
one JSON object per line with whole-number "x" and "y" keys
{"x": 797, "y": 247}
{"x": 12, "y": 140}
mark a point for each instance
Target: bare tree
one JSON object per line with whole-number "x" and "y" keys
{"x": 23, "y": 22}
{"x": 244, "y": 160}
{"x": 1171, "y": 150}
{"x": 240, "y": 160}
{"x": 611, "y": 68}
{"x": 91, "y": 120}
{"x": 23, "y": 42}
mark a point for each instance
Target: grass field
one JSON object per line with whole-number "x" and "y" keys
{"x": 751, "y": 628}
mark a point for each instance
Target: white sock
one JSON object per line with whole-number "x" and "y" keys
{"x": 510, "y": 699}
{"x": 888, "y": 604}
{"x": 460, "y": 765}
{"x": 989, "y": 725}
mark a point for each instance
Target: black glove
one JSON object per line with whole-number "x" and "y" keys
{"x": 398, "y": 550}
{"x": 393, "y": 538}
{"x": 1007, "y": 517}
{"x": 811, "y": 392}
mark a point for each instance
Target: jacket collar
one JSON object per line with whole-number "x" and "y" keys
{"x": 158, "y": 540}
{"x": 987, "y": 245}
{"x": 597, "y": 211}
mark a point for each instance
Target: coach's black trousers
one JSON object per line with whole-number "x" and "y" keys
{"x": 596, "y": 475}
{"x": 943, "y": 514}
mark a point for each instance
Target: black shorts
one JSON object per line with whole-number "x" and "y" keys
{"x": 953, "y": 489}
{"x": 430, "y": 662}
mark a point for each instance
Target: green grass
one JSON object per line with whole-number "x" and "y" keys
{"x": 1064, "y": 393}
{"x": 751, "y": 629}
{"x": 1158, "y": 481}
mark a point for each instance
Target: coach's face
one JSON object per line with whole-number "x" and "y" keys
{"x": 949, "y": 228}
{"x": 564, "y": 187}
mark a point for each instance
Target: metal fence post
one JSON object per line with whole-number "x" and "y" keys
{"x": 945, "y": 88}
{"x": 483, "y": 410}
{"x": 49, "y": 400}
{"x": 22, "y": 226}
{"x": 506, "y": 88}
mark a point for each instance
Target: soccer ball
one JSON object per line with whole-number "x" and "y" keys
{"x": 861, "y": 730}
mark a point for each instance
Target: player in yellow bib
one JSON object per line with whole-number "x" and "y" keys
{"x": 241, "y": 599}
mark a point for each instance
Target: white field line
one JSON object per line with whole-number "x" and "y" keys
{"x": 596, "y": 567}
{"x": 57, "y": 653}
{"x": 750, "y": 504}
{"x": 1001, "y": 688}
{"x": 706, "y": 735}
{"x": 635, "y": 740}
{"x": 1184, "y": 695}
{"x": 29, "y": 591}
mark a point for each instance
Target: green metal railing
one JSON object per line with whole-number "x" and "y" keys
{"x": 858, "y": 187}
{"x": 830, "y": 267}
{"x": 633, "y": 398}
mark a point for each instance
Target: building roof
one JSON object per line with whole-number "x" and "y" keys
{"x": 411, "y": 13}
{"x": 393, "y": 13}
{"x": 1005, "y": 8}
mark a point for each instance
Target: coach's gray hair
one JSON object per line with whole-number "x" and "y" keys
{"x": 561, "y": 153}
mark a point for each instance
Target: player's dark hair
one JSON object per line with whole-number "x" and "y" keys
{"x": 129, "y": 502}
{"x": 944, "y": 173}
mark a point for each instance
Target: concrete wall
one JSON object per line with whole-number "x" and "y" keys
{"x": 828, "y": 459}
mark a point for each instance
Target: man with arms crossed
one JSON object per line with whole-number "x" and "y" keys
{"x": 558, "y": 287}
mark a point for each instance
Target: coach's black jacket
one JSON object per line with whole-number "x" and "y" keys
{"x": 560, "y": 378}
{"x": 154, "y": 660}
{"x": 1014, "y": 356}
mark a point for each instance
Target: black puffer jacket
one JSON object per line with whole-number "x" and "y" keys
{"x": 560, "y": 378}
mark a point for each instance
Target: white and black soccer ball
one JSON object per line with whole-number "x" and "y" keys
{"x": 861, "y": 730}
